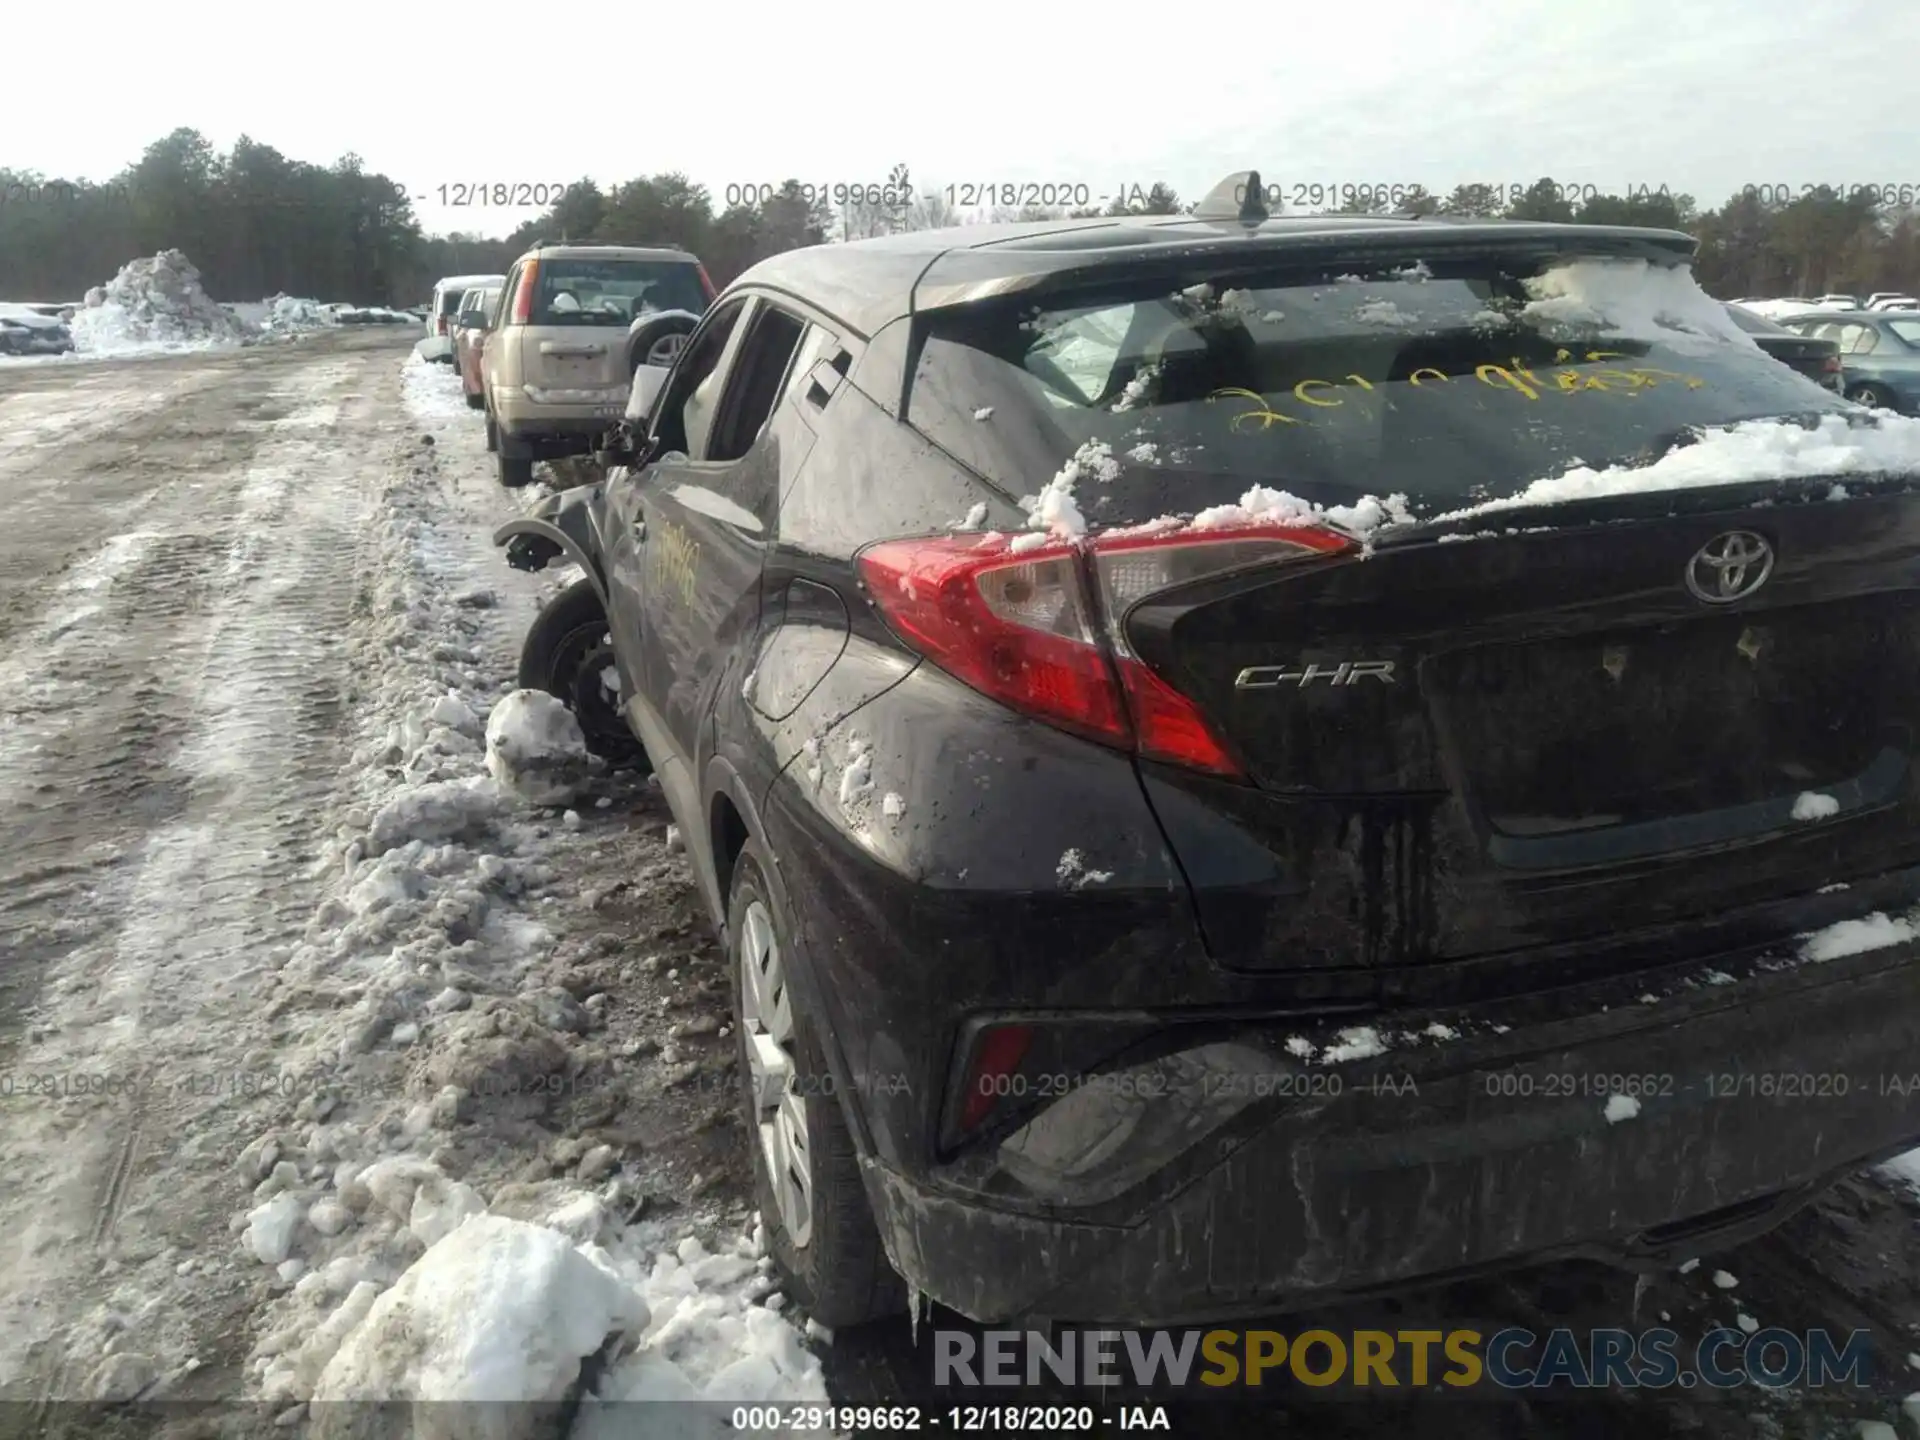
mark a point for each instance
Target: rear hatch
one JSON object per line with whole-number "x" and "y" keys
{"x": 1601, "y": 662}
{"x": 573, "y": 342}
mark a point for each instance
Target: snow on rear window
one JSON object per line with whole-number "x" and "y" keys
{"x": 1411, "y": 392}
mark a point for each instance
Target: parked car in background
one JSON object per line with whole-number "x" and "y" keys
{"x": 1881, "y": 352}
{"x": 26, "y": 330}
{"x": 1842, "y": 302}
{"x": 471, "y": 323}
{"x": 558, "y": 366}
{"x": 1894, "y": 302}
{"x": 438, "y": 346}
{"x": 1818, "y": 360}
{"x": 1054, "y": 871}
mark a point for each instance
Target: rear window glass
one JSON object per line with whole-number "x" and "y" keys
{"x": 614, "y": 292}
{"x": 1907, "y": 330}
{"x": 450, "y": 301}
{"x": 1447, "y": 385}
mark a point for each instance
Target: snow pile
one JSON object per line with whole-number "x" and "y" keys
{"x": 288, "y": 315}
{"x": 433, "y": 395}
{"x": 711, "y": 1338}
{"x": 1754, "y": 450}
{"x": 1054, "y": 513}
{"x": 535, "y": 748}
{"x": 1635, "y": 299}
{"x": 1812, "y": 805}
{"x": 1855, "y": 937}
{"x": 439, "y": 1201}
{"x": 1262, "y": 506}
{"x": 496, "y": 1310}
{"x": 155, "y": 304}
{"x": 1620, "y": 1107}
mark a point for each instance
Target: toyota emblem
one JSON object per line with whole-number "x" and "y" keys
{"x": 1729, "y": 567}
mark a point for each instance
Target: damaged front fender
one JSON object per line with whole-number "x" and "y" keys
{"x": 562, "y": 526}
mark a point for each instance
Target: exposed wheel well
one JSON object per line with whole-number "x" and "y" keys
{"x": 728, "y": 834}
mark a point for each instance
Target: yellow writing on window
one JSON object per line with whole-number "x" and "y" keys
{"x": 1514, "y": 377}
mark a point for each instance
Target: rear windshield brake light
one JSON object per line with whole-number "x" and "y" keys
{"x": 1039, "y": 629}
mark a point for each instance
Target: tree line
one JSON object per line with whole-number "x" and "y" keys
{"x": 257, "y": 222}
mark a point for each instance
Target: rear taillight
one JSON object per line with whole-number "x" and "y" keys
{"x": 1831, "y": 365}
{"x": 523, "y": 297}
{"x": 1039, "y": 628}
{"x": 706, "y": 285}
{"x": 996, "y": 1059}
{"x": 443, "y": 325}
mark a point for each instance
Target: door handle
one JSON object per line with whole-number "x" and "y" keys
{"x": 639, "y": 531}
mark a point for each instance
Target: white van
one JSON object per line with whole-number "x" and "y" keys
{"x": 440, "y": 314}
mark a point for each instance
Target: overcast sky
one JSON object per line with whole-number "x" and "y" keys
{"x": 1703, "y": 96}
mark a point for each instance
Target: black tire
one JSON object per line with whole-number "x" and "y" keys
{"x": 493, "y": 433}
{"x": 651, "y": 333}
{"x": 475, "y": 401}
{"x": 514, "y": 470}
{"x": 1872, "y": 395}
{"x": 565, "y": 653}
{"x": 841, "y": 1275}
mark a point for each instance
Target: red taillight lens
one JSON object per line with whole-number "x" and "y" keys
{"x": 1012, "y": 624}
{"x": 1023, "y": 625}
{"x": 523, "y": 296}
{"x": 1831, "y": 365}
{"x": 706, "y": 285}
{"x": 443, "y": 325}
{"x": 995, "y": 1059}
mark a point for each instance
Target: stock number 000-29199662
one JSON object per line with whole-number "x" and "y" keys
{"x": 1041, "y": 1419}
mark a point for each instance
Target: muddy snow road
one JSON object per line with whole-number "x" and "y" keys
{"x": 287, "y": 982}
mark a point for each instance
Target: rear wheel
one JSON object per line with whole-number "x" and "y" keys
{"x": 475, "y": 400}
{"x": 514, "y": 470}
{"x": 1871, "y": 395}
{"x": 569, "y": 654}
{"x": 493, "y": 433}
{"x": 806, "y": 1173}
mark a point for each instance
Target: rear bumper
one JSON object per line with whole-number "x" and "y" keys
{"x": 1438, "y": 1159}
{"x": 561, "y": 429}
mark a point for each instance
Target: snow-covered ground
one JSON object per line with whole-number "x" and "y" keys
{"x": 378, "y": 1077}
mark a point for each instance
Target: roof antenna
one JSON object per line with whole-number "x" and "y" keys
{"x": 1240, "y": 197}
{"x": 1253, "y": 207}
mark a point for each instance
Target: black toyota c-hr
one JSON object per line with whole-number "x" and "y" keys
{"x": 1239, "y": 760}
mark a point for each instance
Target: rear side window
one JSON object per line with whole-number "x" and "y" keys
{"x": 614, "y": 292}
{"x": 1448, "y": 385}
{"x": 1907, "y": 330}
{"x": 449, "y": 302}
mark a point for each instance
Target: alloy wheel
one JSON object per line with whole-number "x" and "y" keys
{"x": 666, "y": 350}
{"x": 779, "y": 1109}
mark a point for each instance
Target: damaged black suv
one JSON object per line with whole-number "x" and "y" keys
{"x": 1239, "y": 760}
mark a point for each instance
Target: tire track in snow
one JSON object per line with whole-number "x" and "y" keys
{"x": 201, "y": 659}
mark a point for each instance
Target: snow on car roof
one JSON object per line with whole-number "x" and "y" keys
{"x": 868, "y": 284}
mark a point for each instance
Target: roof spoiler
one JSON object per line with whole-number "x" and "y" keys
{"x": 1240, "y": 197}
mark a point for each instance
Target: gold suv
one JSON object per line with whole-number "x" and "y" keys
{"x": 574, "y": 322}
